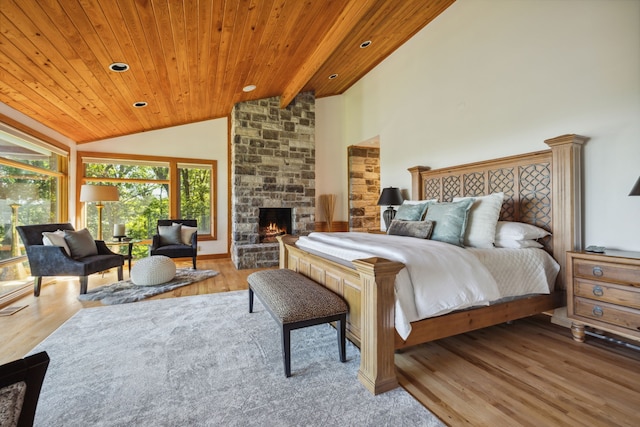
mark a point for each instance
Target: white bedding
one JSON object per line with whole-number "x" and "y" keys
{"x": 439, "y": 277}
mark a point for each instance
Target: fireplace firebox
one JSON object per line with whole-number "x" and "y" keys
{"x": 273, "y": 222}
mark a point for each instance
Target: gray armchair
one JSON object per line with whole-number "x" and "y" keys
{"x": 176, "y": 249}
{"x": 54, "y": 260}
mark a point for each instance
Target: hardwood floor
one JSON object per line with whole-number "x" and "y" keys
{"x": 528, "y": 373}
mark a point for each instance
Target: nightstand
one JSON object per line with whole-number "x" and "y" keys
{"x": 603, "y": 291}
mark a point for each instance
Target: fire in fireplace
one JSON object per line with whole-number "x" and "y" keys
{"x": 273, "y": 222}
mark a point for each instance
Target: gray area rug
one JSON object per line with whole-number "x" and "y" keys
{"x": 126, "y": 291}
{"x": 206, "y": 361}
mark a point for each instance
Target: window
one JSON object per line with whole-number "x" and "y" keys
{"x": 195, "y": 194}
{"x": 33, "y": 181}
{"x": 150, "y": 188}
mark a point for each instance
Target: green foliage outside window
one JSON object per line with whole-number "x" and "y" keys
{"x": 145, "y": 197}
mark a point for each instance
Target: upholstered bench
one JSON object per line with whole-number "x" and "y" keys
{"x": 295, "y": 301}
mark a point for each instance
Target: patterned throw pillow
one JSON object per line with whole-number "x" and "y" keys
{"x": 450, "y": 221}
{"x": 419, "y": 229}
{"x": 411, "y": 211}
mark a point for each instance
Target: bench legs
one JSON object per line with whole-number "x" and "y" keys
{"x": 341, "y": 322}
{"x": 341, "y": 326}
{"x": 286, "y": 349}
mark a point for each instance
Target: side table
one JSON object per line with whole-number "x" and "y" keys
{"x": 129, "y": 245}
{"x": 126, "y": 243}
{"x": 603, "y": 291}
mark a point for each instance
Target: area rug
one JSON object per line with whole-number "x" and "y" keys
{"x": 206, "y": 361}
{"x": 126, "y": 291}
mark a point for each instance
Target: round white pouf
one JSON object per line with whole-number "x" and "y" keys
{"x": 153, "y": 270}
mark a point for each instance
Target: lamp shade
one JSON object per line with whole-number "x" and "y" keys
{"x": 98, "y": 193}
{"x": 635, "y": 191}
{"x": 390, "y": 196}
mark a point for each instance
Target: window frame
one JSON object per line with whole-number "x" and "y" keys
{"x": 38, "y": 140}
{"x": 173, "y": 164}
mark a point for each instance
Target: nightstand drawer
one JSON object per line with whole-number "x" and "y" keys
{"x": 605, "y": 271}
{"x": 608, "y": 313}
{"x": 628, "y": 296}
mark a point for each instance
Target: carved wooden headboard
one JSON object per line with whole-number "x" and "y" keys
{"x": 541, "y": 188}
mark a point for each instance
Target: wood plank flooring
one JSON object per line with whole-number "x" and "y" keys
{"x": 529, "y": 373}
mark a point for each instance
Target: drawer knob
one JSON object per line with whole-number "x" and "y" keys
{"x": 598, "y": 291}
{"x": 597, "y": 311}
{"x": 597, "y": 271}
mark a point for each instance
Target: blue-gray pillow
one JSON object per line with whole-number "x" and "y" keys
{"x": 411, "y": 212}
{"x": 419, "y": 229}
{"x": 450, "y": 221}
{"x": 170, "y": 234}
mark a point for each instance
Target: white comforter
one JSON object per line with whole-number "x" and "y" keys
{"x": 438, "y": 277}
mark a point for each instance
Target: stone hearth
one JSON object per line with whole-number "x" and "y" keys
{"x": 272, "y": 165}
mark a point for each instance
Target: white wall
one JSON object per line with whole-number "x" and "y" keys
{"x": 331, "y": 156}
{"x": 202, "y": 140}
{"x": 491, "y": 78}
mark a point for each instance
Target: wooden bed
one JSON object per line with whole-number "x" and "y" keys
{"x": 541, "y": 188}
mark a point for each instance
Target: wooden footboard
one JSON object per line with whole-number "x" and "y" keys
{"x": 369, "y": 291}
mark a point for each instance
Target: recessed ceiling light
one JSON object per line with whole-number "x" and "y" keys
{"x": 140, "y": 104}
{"x": 119, "y": 67}
{"x": 249, "y": 88}
{"x": 333, "y": 76}
{"x": 365, "y": 44}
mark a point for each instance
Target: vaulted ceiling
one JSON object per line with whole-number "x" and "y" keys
{"x": 189, "y": 59}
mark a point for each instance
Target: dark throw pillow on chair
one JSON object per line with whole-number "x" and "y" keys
{"x": 81, "y": 243}
{"x": 170, "y": 234}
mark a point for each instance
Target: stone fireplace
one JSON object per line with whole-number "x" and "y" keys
{"x": 272, "y": 166}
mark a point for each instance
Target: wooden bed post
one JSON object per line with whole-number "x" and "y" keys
{"x": 416, "y": 181}
{"x": 566, "y": 151}
{"x": 377, "y": 366}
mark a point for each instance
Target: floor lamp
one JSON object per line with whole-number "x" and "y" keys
{"x": 99, "y": 193}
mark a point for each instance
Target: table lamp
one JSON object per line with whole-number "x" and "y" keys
{"x": 389, "y": 197}
{"x": 99, "y": 193}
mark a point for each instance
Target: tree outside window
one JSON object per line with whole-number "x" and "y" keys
{"x": 151, "y": 189}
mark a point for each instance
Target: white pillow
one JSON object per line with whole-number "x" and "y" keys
{"x": 186, "y": 232}
{"x": 483, "y": 219}
{"x": 55, "y": 238}
{"x": 519, "y": 231}
{"x": 517, "y": 244}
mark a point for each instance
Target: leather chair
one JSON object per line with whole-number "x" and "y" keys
{"x": 175, "y": 249}
{"x": 54, "y": 260}
{"x": 20, "y": 386}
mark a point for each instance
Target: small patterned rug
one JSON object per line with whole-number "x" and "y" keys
{"x": 125, "y": 291}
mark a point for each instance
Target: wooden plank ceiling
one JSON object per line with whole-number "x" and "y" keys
{"x": 189, "y": 59}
